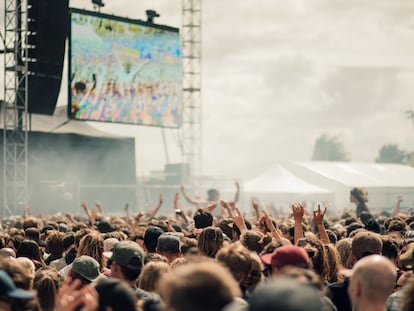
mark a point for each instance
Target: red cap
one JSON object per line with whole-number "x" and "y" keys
{"x": 287, "y": 255}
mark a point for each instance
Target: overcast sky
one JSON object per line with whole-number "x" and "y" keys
{"x": 278, "y": 74}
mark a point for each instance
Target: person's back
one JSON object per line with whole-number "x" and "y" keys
{"x": 115, "y": 295}
{"x": 338, "y": 293}
{"x": 285, "y": 293}
{"x": 363, "y": 244}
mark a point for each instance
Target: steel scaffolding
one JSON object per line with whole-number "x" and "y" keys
{"x": 14, "y": 110}
{"x": 191, "y": 52}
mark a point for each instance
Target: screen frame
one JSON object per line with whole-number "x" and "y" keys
{"x": 116, "y": 18}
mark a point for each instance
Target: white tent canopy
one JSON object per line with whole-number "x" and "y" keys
{"x": 279, "y": 179}
{"x": 383, "y": 182}
{"x": 279, "y": 186}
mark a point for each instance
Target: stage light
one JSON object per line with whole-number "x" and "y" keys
{"x": 151, "y": 14}
{"x": 98, "y": 3}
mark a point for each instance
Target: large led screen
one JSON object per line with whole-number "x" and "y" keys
{"x": 124, "y": 71}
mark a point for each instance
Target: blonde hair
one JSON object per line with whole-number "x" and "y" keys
{"x": 210, "y": 241}
{"x": 178, "y": 262}
{"x": 255, "y": 241}
{"x": 92, "y": 245}
{"x": 237, "y": 259}
{"x": 344, "y": 248}
{"x": 17, "y": 273}
{"x": 334, "y": 261}
{"x": 151, "y": 274}
{"x": 28, "y": 266}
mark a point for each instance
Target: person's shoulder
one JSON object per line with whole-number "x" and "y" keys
{"x": 58, "y": 264}
{"x": 151, "y": 301}
{"x": 339, "y": 285}
{"x": 65, "y": 270}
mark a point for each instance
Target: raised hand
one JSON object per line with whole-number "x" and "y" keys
{"x": 318, "y": 215}
{"x": 139, "y": 215}
{"x": 98, "y": 205}
{"x": 226, "y": 207}
{"x": 72, "y": 297}
{"x": 318, "y": 219}
{"x": 176, "y": 197}
{"x": 298, "y": 211}
{"x": 267, "y": 221}
{"x": 255, "y": 204}
{"x": 239, "y": 220}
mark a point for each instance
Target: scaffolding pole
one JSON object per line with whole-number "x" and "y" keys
{"x": 191, "y": 128}
{"x": 14, "y": 110}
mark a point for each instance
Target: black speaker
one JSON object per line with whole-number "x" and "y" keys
{"x": 48, "y": 24}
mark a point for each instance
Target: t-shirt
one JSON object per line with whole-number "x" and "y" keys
{"x": 338, "y": 293}
{"x": 361, "y": 207}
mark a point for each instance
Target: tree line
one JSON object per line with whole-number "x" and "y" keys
{"x": 331, "y": 148}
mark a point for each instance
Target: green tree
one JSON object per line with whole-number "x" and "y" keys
{"x": 390, "y": 153}
{"x": 329, "y": 148}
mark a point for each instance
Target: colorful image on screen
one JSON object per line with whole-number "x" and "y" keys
{"x": 124, "y": 71}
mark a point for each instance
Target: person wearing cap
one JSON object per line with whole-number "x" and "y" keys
{"x": 85, "y": 269}
{"x": 11, "y": 297}
{"x": 372, "y": 281}
{"x": 363, "y": 244}
{"x": 286, "y": 255}
{"x": 91, "y": 245}
{"x": 127, "y": 260}
{"x": 168, "y": 245}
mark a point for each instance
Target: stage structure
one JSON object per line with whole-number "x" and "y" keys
{"x": 65, "y": 169}
{"x": 30, "y": 64}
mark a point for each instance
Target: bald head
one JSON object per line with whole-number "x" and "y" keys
{"x": 373, "y": 280}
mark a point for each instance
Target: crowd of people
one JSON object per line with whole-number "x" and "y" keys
{"x": 209, "y": 258}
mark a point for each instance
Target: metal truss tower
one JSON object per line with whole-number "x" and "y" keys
{"x": 14, "y": 110}
{"x": 191, "y": 50}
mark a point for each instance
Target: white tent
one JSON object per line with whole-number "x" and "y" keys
{"x": 383, "y": 182}
{"x": 280, "y": 187}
